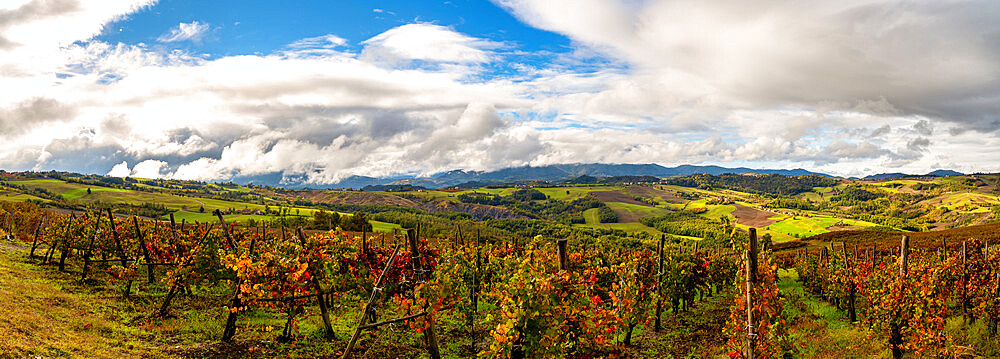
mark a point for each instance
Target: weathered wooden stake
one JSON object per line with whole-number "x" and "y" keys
{"x": 364, "y": 239}
{"x": 563, "y": 260}
{"x": 121, "y": 250}
{"x": 904, "y": 249}
{"x": 165, "y": 306}
{"x": 145, "y": 251}
{"x": 368, "y": 305}
{"x": 430, "y": 338}
{"x": 38, "y": 228}
{"x": 895, "y": 335}
{"x": 90, "y": 249}
{"x": 851, "y": 312}
{"x": 236, "y": 302}
{"x": 65, "y": 245}
{"x": 751, "y": 269}
{"x": 317, "y": 275}
{"x": 659, "y": 283}
{"x": 965, "y": 282}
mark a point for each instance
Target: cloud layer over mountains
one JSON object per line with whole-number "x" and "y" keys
{"x": 845, "y": 87}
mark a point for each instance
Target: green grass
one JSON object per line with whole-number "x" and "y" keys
{"x": 42, "y": 319}
{"x": 36, "y": 182}
{"x": 78, "y": 193}
{"x": 718, "y": 211}
{"x": 187, "y": 207}
{"x": 19, "y": 197}
{"x": 569, "y": 193}
{"x": 804, "y": 226}
{"x": 591, "y": 216}
{"x": 972, "y": 202}
{"x": 208, "y": 217}
{"x": 696, "y": 204}
{"x": 562, "y": 193}
{"x": 627, "y": 227}
{"x": 452, "y": 195}
{"x": 639, "y": 211}
{"x": 811, "y": 196}
{"x": 820, "y": 330}
{"x": 384, "y": 227}
{"x": 776, "y": 236}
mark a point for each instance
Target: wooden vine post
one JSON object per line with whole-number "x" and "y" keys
{"x": 121, "y": 250}
{"x": 90, "y": 249}
{"x": 368, "y": 306}
{"x": 874, "y": 256}
{"x": 34, "y": 242}
{"x": 476, "y": 272}
{"x": 751, "y": 269}
{"x": 474, "y": 288}
{"x": 64, "y": 244}
{"x": 145, "y": 251}
{"x": 561, "y": 247}
{"x": 230, "y": 329}
{"x": 851, "y": 311}
{"x": 895, "y": 334}
{"x": 430, "y": 338}
{"x": 659, "y": 283}
{"x": 965, "y": 282}
{"x": 317, "y": 274}
{"x": 165, "y": 306}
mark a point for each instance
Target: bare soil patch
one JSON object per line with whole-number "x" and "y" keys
{"x": 360, "y": 198}
{"x": 752, "y": 217}
{"x": 843, "y": 227}
{"x": 653, "y": 192}
{"x": 616, "y": 196}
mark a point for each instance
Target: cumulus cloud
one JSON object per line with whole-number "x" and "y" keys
{"x": 427, "y": 42}
{"x": 191, "y": 31}
{"x": 120, "y": 170}
{"x": 148, "y": 169}
{"x": 879, "y": 57}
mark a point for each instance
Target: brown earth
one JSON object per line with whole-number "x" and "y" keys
{"x": 752, "y": 217}
{"x": 616, "y": 196}
{"x": 950, "y": 237}
{"x": 359, "y": 198}
{"x": 653, "y": 192}
{"x": 843, "y": 227}
{"x": 477, "y": 211}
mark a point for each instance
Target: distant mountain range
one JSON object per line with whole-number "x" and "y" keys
{"x": 562, "y": 172}
{"x": 897, "y": 175}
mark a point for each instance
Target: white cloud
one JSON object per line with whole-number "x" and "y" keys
{"x": 427, "y": 42}
{"x": 192, "y": 31}
{"x": 324, "y": 41}
{"x": 935, "y": 59}
{"x": 148, "y": 169}
{"x": 120, "y": 170}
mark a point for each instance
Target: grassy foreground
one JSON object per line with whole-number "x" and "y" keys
{"x": 42, "y": 315}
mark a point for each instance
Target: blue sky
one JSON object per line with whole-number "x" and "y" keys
{"x": 262, "y": 27}
{"x": 322, "y": 90}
